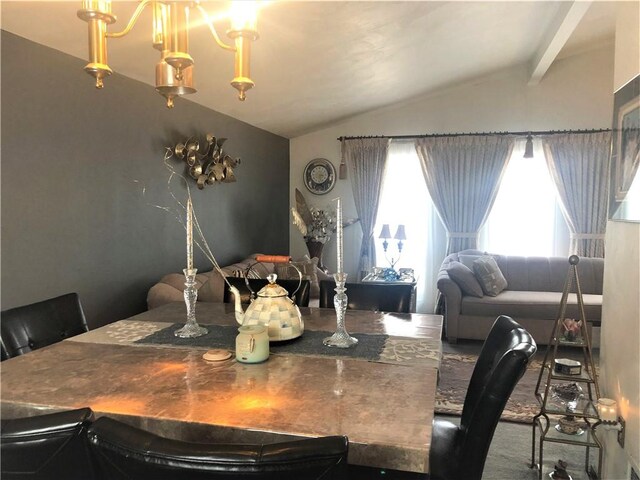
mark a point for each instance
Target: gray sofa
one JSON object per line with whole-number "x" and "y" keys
{"x": 532, "y": 296}
{"x": 210, "y": 284}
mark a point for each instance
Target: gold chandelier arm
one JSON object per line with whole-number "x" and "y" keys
{"x": 212, "y": 28}
{"x": 132, "y": 21}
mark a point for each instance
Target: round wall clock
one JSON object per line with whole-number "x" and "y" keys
{"x": 319, "y": 176}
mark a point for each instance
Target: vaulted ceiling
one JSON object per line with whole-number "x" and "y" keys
{"x": 317, "y": 62}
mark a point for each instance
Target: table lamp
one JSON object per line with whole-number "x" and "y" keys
{"x": 400, "y": 235}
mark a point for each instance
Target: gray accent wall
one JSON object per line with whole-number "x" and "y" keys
{"x": 75, "y": 162}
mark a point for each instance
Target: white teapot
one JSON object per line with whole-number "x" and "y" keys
{"x": 272, "y": 308}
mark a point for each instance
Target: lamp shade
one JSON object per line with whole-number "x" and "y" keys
{"x": 385, "y": 233}
{"x": 400, "y": 235}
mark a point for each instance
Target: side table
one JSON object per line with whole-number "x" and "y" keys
{"x": 371, "y": 278}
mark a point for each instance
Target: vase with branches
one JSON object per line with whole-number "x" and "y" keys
{"x": 316, "y": 224}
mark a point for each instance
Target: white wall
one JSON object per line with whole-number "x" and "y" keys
{"x": 575, "y": 93}
{"x": 620, "y": 343}
{"x": 627, "y": 45}
{"x": 620, "y": 332}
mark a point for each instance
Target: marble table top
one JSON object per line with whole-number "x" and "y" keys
{"x": 385, "y": 408}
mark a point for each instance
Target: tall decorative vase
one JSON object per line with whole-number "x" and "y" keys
{"x": 315, "y": 250}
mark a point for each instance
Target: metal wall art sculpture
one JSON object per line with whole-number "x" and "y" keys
{"x": 210, "y": 166}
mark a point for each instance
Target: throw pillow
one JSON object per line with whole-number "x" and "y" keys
{"x": 467, "y": 260}
{"x": 488, "y": 273}
{"x": 465, "y": 279}
{"x": 238, "y": 273}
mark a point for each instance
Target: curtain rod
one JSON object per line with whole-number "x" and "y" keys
{"x": 533, "y": 133}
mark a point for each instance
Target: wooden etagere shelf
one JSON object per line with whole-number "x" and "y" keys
{"x": 579, "y": 408}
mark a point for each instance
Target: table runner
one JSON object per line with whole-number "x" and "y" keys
{"x": 396, "y": 350}
{"x": 369, "y": 347}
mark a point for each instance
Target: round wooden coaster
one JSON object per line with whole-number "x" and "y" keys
{"x": 216, "y": 355}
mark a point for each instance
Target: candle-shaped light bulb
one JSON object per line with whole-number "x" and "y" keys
{"x": 340, "y": 246}
{"x": 189, "y": 234}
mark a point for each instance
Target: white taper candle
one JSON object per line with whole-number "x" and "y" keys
{"x": 339, "y": 240}
{"x": 189, "y": 234}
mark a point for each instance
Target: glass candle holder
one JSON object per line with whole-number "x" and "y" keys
{"x": 191, "y": 329}
{"x": 341, "y": 338}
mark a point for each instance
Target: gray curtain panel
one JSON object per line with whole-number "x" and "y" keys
{"x": 463, "y": 174}
{"x": 579, "y": 165}
{"x": 366, "y": 159}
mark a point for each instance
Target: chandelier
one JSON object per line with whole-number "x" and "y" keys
{"x": 174, "y": 71}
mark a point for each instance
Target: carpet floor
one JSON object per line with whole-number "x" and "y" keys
{"x": 510, "y": 453}
{"x": 455, "y": 372}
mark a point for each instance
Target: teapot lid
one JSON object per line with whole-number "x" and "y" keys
{"x": 272, "y": 289}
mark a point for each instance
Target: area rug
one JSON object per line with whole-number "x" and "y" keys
{"x": 455, "y": 372}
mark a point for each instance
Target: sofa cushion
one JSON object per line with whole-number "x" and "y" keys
{"x": 465, "y": 279}
{"x": 489, "y": 275}
{"x": 543, "y": 305}
{"x": 548, "y": 274}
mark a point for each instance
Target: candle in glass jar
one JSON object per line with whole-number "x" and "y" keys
{"x": 189, "y": 234}
{"x": 607, "y": 408}
{"x": 339, "y": 240}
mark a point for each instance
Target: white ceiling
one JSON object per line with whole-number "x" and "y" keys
{"x": 320, "y": 61}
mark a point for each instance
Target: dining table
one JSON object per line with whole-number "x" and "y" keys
{"x": 380, "y": 393}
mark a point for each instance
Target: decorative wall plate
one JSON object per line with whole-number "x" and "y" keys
{"x": 319, "y": 176}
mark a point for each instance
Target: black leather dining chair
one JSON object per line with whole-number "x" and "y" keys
{"x": 46, "y": 447}
{"x": 125, "y": 452}
{"x": 459, "y": 452}
{"x": 301, "y": 297}
{"x": 363, "y": 296}
{"x": 37, "y": 325}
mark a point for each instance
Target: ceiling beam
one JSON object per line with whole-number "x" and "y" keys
{"x": 565, "y": 22}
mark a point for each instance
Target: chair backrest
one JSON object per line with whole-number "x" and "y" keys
{"x": 52, "y": 446}
{"x": 301, "y": 298}
{"x": 502, "y": 362}
{"x": 34, "y": 326}
{"x": 125, "y": 452}
{"x": 364, "y": 296}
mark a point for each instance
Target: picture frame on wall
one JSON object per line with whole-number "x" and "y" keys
{"x": 625, "y": 154}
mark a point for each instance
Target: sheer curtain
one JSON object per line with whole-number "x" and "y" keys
{"x": 579, "y": 166}
{"x": 526, "y": 218}
{"x": 463, "y": 174}
{"x": 366, "y": 158}
{"x": 405, "y": 200}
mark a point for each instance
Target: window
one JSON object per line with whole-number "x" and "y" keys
{"x": 526, "y": 218}
{"x": 404, "y": 199}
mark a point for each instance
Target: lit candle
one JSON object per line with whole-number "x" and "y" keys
{"x": 189, "y": 234}
{"x": 339, "y": 236}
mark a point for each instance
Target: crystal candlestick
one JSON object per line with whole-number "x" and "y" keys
{"x": 341, "y": 337}
{"x": 191, "y": 329}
